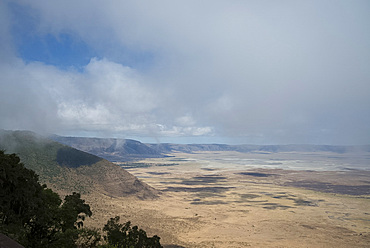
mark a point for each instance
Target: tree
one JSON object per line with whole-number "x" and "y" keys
{"x": 88, "y": 238}
{"x": 125, "y": 236}
{"x": 26, "y": 207}
{"x": 33, "y": 215}
{"x": 73, "y": 211}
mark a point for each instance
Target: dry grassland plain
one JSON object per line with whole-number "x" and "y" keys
{"x": 230, "y": 199}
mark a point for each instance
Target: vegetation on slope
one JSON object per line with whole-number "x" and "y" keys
{"x": 35, "y": 216}
{"x": 67, "y": 169}
{"x": 111, "y": 149}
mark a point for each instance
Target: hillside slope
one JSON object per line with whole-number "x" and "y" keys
{"x": 67, "y": 169}
{"x": 109, "y": 148}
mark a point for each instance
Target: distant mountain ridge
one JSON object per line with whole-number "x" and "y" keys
{"x": 120, "y": 150}
{"x": 67, "y": 169}
{"x": 189, "y": 148}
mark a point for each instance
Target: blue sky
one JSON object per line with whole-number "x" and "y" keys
{"x": 61, "y": 50}
{"x": 262, "y": 72}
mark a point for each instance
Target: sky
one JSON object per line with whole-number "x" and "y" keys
{"x": 234, "y": 72}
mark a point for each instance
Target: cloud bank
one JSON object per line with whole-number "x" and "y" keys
{"x": 217, "y": 71}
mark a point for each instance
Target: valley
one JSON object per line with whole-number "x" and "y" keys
{"x": 212, "y": 195}
{"x": 209, "y": 201}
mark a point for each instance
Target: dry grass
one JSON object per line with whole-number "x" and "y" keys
{"x": 205, "y": 206}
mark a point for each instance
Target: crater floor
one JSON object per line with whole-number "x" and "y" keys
{"x": 230, "y": 199}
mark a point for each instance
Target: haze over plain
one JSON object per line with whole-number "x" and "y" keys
{"x": 262, "y": 72}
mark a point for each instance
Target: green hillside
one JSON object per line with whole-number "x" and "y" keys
{"x": 67, "y": 169}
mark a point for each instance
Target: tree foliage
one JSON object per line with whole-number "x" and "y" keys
{"x": 73, "y": 211}
{"x": 125, "y": 236}
{"x": 35, "y": 216}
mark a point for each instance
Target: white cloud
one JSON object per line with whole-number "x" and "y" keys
{"x": 186, "y": 120}
{"x": 104, "y": 97}
{"x": 267, "y": 71}
{"x": 177, "y": 131}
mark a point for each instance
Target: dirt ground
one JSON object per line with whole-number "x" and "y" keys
{"x": 208, "y": 203}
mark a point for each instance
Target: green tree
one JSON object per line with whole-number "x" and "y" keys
{"x": 26, "y": 207}
{"x": 33, "y": 215}
{"x": 124, "y": 236}
{"x": 88, "y": 238}
{"x": 73, "y": 211}
{"x": 42, "y": 228}
{"x": 77, "y": 238}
